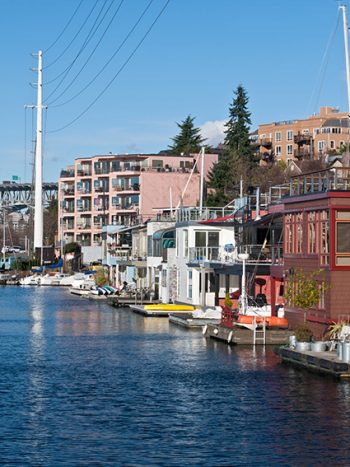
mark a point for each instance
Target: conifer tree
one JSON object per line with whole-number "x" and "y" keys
{"x": 238, "y": 125}
{"x": 189, "y": 139}
{"x": 237, "y": 159}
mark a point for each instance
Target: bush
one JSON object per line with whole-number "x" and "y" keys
{"x": 303, "y": 333}
{"x": 228, "y": 302}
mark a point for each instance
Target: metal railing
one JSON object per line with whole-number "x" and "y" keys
{"x": 317, "y": 182}
{"x": 206, "y": 253}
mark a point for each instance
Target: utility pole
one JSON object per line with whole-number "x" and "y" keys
{"x": 38, "y": 206}
{"x": 201, "y": 194}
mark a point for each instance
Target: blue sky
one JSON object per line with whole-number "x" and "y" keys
{"x": 193, "y": 59}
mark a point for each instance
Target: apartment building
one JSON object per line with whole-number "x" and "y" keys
{"x": 123, "y": 190}
{"x": 315, "y": 137}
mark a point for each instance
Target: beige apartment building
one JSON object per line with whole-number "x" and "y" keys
{"x": 318, "y": 136}
{"x": 123, "y": 190}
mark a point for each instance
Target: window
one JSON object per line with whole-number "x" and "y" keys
{"x": 278, "y": 136}
{"x": 325, "y": 130}
{"x": 336, "y": 130}
{"x": 299, "y": 232}
{"x": 288, "y": 234}
{"x": 189, "y": 284}
{"x": 289, "y": 135}
{"x": 320, "y": 146}
{"x": 289, "y": 149}
{"x": 324, "y": 218}
{"x": 185, "y": 243}
{"x": 312, "y": 232}
{"x": 157, "y": 164}
{"x": 332, "y": 145}
{"x": 278, "y": 151}
{"x": 316, "y": 131}
{"x": 342, "y": 238}
{"x": 206, "y": 245}
{"x": 305, "y": 131}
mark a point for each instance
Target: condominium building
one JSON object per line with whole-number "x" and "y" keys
{"x": 123, "y": 190}
{"x": 315, "y": 137}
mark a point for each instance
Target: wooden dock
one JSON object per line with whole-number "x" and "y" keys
{"x": 240, "y": 335}
{"x": 188, "y": 321}
{"x": 320, "y": 362}
{"x": 120, "y": 301}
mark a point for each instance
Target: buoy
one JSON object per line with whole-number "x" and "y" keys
{"x": 204, "y": 330}
{"x": 229, "y": 337}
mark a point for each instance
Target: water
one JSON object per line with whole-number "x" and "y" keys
{"x": 82, "y": 383}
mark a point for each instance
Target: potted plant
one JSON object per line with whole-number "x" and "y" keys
{"x": 303, "y": 336}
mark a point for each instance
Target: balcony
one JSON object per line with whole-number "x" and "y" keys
{"x": 102, "y": 189}
{"x": 266, "y": 143}
{"x": 302, "y": 153}
{"x": 101, "y": 170}
{"x": 83, "y": 225}
{"x": 68, "y": 226}
{"x": 68, "y": 191}
{"x": 67, "y": 173}
{"x": 84, "y": 172}
{"x": 301, "y": 139}
{"x": 205, "y": 253}
{"x": 84, "y": 208}
{"x": 264, "y": 253}
{"x": 84, "y": 190}
{"x": 134, "y": 187}
{"x": 68, "y": 209}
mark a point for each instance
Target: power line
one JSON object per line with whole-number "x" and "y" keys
{"x": 75, "y": 36}
{"x": 90, "y": 56}
{"x": 117, "y": 74}
{"x": 90, "y": 35}
{"x": 110, "y": 59}
{"x": 65, "y": 28}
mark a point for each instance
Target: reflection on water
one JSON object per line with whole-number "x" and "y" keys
{"x": 83, "y": 383}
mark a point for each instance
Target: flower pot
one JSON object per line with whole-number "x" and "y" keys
{"x": 318, "y": 346}
{"x": 345, "y": 352}
{"x": 340, "y": 350}
{"x": 303, "y": 346}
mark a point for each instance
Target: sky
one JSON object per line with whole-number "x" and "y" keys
{"x": 288, "y": 54}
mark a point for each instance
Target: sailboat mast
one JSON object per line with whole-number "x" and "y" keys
{"x": 38, "y": 207}
{"x": 346, "y": 45}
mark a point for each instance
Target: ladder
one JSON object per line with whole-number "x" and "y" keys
{"x": 259, "y": 332}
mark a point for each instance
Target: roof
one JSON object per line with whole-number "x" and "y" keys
{"x": 336, "y": 122}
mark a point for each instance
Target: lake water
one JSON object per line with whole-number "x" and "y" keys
{"x": 82, "y": 383}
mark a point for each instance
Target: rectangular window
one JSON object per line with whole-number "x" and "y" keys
{"x": 332, "y": 145}
{"x": 278, "y": 151}
{"x": 305, "y": 131}
{"x": 289, "y": 135}
{"x": 320, "y": 146}
{"x": 189, "y": 284}
{"x": 157, "y": 164}
{"x": 324, "y": 218}
{"x": 289, "y": 149}
{"x": 312, "y": 232}
{"x": 299, "y": 232}
{"x": 185, "y": 243}
{"x": 278, "y": 136}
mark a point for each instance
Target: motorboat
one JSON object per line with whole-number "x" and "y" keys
{"x": 30, "y": 280}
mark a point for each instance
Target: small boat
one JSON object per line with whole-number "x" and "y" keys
{"x": 30, "y": 280}
{"x": 169, "y": 307}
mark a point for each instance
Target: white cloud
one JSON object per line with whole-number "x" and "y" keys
{"x": 213, "y": 131}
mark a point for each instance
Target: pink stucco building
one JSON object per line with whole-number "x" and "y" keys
{"x": 123, "y": 189}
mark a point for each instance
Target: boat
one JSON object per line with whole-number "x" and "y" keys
{"x": 197, "y": 318}
{"x": 169, "y": 307}
{"x": 270, "y": 321}
{"x": 161, "y": 309}
{"x": 30, "y": 280}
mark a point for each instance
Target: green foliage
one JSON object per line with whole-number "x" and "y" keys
{"x": 304, "y": 290}
{"x": 72, "y": 247}
{"x": 335, "y": 329}
{"x": 100, "y": 278}
{"x": 238, "y": 125}
{"x": 302, "y": 333}
{"x": 228, "y": 302}
{"x": 237, "y": 161}
{"x": 189, "y": 139}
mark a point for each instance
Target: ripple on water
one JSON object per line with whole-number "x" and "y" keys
{"x": 83, "y": 383}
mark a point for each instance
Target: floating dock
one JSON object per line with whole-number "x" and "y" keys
{"x": 241, "y": 335}
{"x": 120, "y": 301}
{"x": 320, "y": 362}
{"x": 188, "y": 321}
{"x": 140, "y": 309}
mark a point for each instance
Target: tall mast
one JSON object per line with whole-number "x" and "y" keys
{"x": 38, "y": 207}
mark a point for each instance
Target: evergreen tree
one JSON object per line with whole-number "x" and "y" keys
{"x": 237, "y": 161}
{"x": 189, "y": 139}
